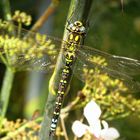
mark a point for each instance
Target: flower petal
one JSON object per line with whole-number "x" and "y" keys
{"x": 109, "y": 134}
{"x": 79, "y": 129}
{"x": 92, "y": 113}
{"x": 95, "y": 129}
{"x": 105, "y": 124}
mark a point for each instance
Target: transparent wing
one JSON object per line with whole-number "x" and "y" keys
{"x": 122, "y": 68}
{"x": 25, "y": 50}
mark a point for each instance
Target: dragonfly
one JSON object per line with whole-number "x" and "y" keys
{"x": 25, "y": 50}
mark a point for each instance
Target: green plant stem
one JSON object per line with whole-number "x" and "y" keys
{"x": 9, "y": 74}
{"x": 79, "y": 10}
{"x": 5, "y": 91}
{"x": 6, "y": 9}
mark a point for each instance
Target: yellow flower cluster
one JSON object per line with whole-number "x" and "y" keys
{"x": 22, "y": 17}
{"x": 108, "y": 93}
{"x": 98, "y": 60}
{"x": 26, "y": 47}
{"x": 4, "y": 24}
{"x": 20, "y": 130}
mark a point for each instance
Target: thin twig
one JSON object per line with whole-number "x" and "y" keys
{"x": 75, "y": 138}
{"x": 49, "y": 11}
{"x": 64, "y": 128}
{"x": 69, "y": 107}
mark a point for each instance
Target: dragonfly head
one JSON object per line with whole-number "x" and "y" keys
{"x": 77, "y": 27}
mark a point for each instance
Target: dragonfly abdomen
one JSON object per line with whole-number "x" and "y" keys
{"x": 62, "y": 87}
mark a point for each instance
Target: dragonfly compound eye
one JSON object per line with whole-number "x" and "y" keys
{"x": 83, "y": 29}
{"x": 70, "y": 26}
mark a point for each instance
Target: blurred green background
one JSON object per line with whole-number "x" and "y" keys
{"x": 113, "y": 27}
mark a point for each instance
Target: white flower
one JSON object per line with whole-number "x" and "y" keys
{"x": 92, "y": 112}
